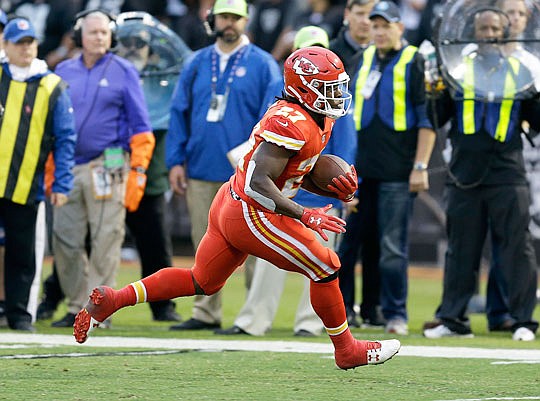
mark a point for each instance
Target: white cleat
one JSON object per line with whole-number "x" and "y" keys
{"x": 366, "y": 353}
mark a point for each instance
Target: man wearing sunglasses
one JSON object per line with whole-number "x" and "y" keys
{"x": 135, "y": 48}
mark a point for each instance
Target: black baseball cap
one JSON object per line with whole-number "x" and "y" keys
{"x": 387, "y": 10}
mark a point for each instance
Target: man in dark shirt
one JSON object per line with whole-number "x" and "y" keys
{"x": 395, "y": 140}
{"x": 487, "y": 188}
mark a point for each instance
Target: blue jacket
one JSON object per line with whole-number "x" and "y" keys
{"x": 201, "y": 145}
{"x": 63, "y": 131}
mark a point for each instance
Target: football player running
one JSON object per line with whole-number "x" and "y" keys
{"x": 253, "y": 213}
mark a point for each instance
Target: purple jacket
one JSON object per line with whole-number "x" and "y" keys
{"x": 108, "y": 104}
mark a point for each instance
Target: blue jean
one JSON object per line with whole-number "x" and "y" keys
{"x": 394, "y": 211}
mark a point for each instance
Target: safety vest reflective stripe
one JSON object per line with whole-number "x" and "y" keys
{"x": 505, "y": 110}
{"x": 469, "y": 125}
{"x": 398, "y": 82}
{"x": 400, "y": 89}
{"x": 21, "y": 141}
{"x": 368, "y": 55}
{"x": 508, "y": 101}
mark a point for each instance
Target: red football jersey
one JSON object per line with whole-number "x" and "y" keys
{"x": 291, "y": 126}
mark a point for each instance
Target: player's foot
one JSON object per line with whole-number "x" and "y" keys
{"x": 367, "y": 353}
{"x": 99, "y": 307}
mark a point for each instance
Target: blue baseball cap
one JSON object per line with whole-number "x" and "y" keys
{"x": 387, "y": 10}
{"x": 19, "y": 28}
{"x": 3, "y": 18}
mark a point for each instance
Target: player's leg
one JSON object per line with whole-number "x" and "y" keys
{"x": 215, "y": 261}
{"x": 288, "y": 244}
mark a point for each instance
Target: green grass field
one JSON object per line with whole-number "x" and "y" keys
{"x": 243, "y": 375}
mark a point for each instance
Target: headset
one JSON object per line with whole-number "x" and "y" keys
{"x": 481, "y": 9}
{"x": 210, "y": 22}
{"x": 77, "y": 26}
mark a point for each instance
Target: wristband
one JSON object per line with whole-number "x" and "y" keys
{"x": 420, "y": 166}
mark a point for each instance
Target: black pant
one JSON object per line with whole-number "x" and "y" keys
{"x": 505, "y": 210}
{"x": 20, "y": 258}
{"x": 361, "y": 234}
{"x": 147, "y": 225}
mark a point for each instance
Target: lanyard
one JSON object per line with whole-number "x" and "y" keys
{"x": 232, "y": 72}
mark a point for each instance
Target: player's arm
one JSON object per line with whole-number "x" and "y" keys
{"x": 265, "y": 166}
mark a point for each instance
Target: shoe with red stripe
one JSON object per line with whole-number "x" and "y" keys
{"x": 99, "y": 307}
{"x": 367, "y": 353}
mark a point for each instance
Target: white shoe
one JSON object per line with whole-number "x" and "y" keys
{"x": 443, "y": 331}
{"x": 397, "y": 326}
{"x": 523, "y": 334}
{"x": 386, "y": 350}
{"x": 366, "y": 353}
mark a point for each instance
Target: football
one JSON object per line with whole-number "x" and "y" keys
{"x": 326, "y": 168}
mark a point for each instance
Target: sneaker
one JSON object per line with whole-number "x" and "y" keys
{"x": 66, "y": 321}
{"x": 442, "y": 331}
{"x": 397, "y": 326}
{"x": 367, "y": 353}
{"x": 523, "y": 334}
{"x": 98, "y": 308}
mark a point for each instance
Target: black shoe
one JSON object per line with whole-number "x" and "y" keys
{"x": 304, "y": 333}
{"x": 375, "y": 323}
{"x": 45, "y": 311}
{"x": 23, "y": 326}
{"x": 67, "y": 321}
{"x": 3, "y": 318}
{"x": 195, "y": 324}
{"x": 168, "y": 314}
{"x": 352, "y": 321}
{"x": 234, "y": 330}
{"x": 504, "y": 326}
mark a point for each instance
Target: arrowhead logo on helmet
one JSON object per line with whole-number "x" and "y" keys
{"x": 303, "y": 66}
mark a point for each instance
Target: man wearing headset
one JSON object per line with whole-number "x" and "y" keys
{"x": 487, "y": 187}
{"x": 113, "y": 151}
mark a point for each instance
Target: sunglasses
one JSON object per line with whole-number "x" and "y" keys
{"x": 137, "y": 43}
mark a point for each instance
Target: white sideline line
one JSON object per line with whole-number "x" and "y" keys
{"x": 495, "y": 398}
{"x": 529, "y": 355}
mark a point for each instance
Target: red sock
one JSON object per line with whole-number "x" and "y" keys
{"x": 167, "y": 283}
{"x": 327, "y": 302}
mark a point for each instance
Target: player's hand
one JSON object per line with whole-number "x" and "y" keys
{"x": 318, "y": 220}
{"x": 345, "y": 185}
{"x": 134, "y": 190}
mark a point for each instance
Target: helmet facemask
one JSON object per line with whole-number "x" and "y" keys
{"x": 333, "y": 97}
